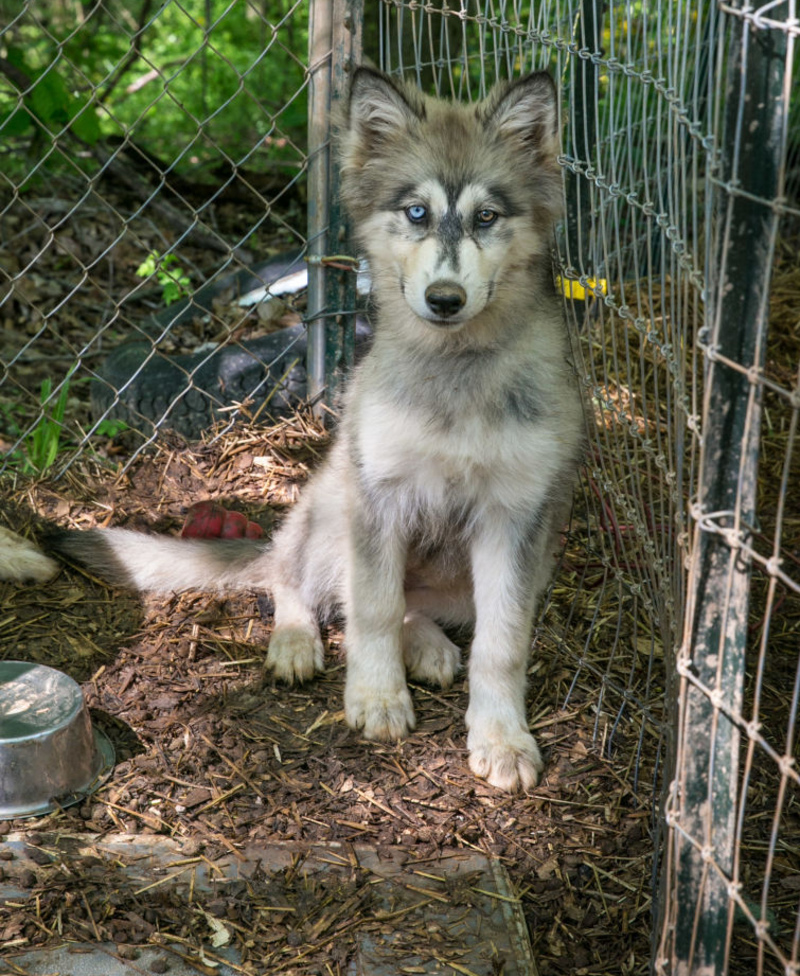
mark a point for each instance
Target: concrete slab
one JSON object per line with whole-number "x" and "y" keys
{"x": 453, "y": 914}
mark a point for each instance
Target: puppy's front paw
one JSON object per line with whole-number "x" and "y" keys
{"x": 386, "y": 716}
{"x": 295, "y": 654}
{"x": 429, "y": 655}
{"x": 510, "y": 761}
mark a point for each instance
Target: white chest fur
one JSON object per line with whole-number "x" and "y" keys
{"x": 471, "y": 462}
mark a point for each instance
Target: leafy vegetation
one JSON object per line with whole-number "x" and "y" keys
{"x": 193, "y": 83}
{"x": 40, "y": 447}
{"x": 44, "y": 441}
{"x": 47, "y": 438}
{"x": 174, "y": 281}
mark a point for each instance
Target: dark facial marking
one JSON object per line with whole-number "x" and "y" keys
{"x": 450, "y": 234}
{"x": 400, "y": 198}
{"x": 507, "y": 206}
{"x": 453, "y": 191}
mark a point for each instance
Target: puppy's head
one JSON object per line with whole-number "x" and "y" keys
{"x": 450, "y": 199}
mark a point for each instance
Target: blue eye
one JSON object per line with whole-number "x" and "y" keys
{"x": 416, "y": 213}
{"x": 485, "y": 217}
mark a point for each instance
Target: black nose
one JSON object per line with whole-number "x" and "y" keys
{"x": 445, "y": 298}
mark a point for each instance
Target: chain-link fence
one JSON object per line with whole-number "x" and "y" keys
{"x": 172, "y": 291}
{"x": 153, "y": 186}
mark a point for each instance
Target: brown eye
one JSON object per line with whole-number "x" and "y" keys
{"x": 485, "y": 217}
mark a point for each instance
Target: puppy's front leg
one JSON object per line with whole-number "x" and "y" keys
{"x": 510, "y": 568}
{"x": 376, "y": 697}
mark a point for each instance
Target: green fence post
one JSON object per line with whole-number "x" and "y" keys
{"x": 712, "y": 659}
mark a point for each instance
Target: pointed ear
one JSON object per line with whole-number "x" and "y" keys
{"x": 379, "y": 107}
{"x": 526, "y": 111}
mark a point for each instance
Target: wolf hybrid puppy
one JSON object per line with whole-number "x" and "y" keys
{"x": 443, "y": 495}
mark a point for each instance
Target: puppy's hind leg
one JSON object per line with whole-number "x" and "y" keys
{"x": 429, "y": 654}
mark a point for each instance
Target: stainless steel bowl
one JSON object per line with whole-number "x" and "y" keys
{"x": 50, "y": 756}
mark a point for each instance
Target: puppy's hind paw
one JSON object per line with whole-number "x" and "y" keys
{"x": 21, "y": 561}
{"x": 295, "y": 654}
{"x": 511, "y": 765}
{"x": 385, "y": 717}
{"x": 428, "y": 653}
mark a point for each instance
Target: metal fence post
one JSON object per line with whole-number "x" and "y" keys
{"x": 320, "y": 41}
{"x": 334, "y": 47}
{"x": 703, "y": 803}
{"x": 348, "y": 19}
{"x": 587, "y": 31}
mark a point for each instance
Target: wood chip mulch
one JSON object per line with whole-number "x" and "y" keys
{"x": 209, "y": 751}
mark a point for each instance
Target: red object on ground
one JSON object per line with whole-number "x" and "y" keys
{"x": 209, "y": 520}
{"x": 234, "y": 526}
{"x": 203, "y": 521}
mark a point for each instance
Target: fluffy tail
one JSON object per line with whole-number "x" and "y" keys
{"x": 163, "y": 564}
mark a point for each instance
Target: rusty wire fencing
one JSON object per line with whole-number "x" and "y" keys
{"x": 678, "y": 253}
{"x": 173, "y": 259}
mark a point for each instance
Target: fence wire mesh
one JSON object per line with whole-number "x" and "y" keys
{"x": 679, "y": 237}
{"x": 154, "y": 160}
{"x": 153, "y": 214}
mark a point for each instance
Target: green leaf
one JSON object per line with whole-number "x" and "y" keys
{"x": 148, "y": 266}
{"x": 50, "y": 101}
{"x": 170, "y": 291}
{"x": 14, "y": 123}
{"x": 85, "y": 123}
{"x": 44, "y": 442}
{"x": 110, "y": 428}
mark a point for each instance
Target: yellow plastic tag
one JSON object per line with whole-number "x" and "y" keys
{"x": 576, "y": 291}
